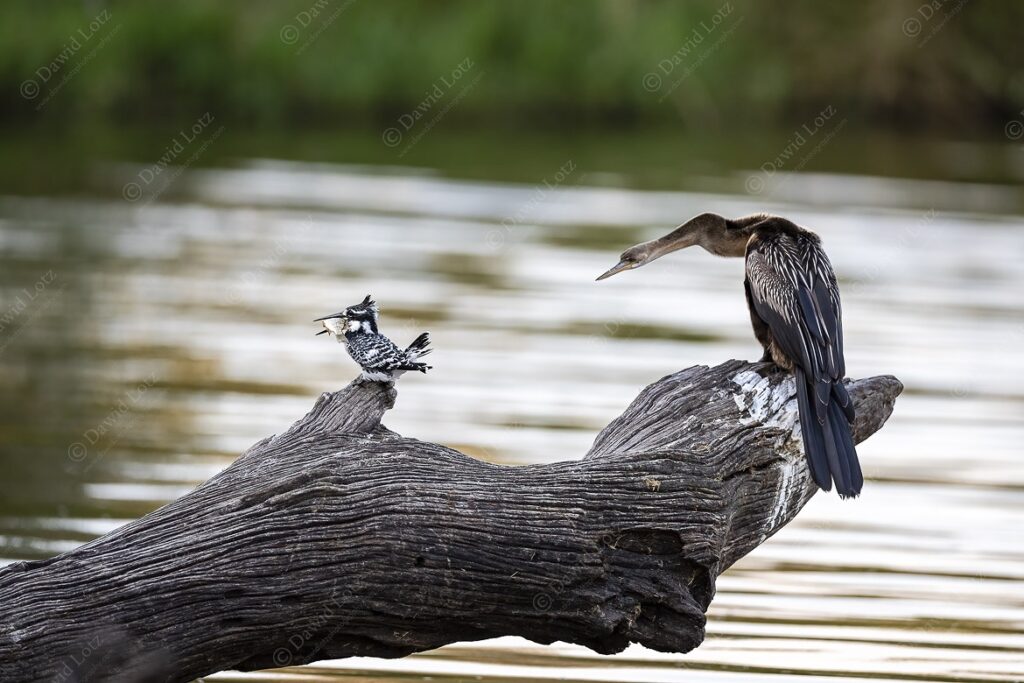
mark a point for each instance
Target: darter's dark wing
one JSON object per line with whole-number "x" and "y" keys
{"x": 794, "y": 290}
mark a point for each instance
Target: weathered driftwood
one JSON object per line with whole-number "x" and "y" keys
{"x": 342, "y": 538}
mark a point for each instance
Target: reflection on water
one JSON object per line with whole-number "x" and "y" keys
{"x": 143, "y": 346}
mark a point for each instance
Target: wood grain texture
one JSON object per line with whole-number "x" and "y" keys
{"x": 340, "y": 538}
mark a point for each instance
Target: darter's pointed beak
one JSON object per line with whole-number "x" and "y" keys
{"x": 617, "y": 268}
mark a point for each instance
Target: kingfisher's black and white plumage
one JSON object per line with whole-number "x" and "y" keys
{"x": 380, "y": 359}
{"x": 794, "y": 305}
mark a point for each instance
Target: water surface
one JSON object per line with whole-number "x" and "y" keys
{"x": 145, "y": 344}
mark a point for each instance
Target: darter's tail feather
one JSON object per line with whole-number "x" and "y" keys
{"x": 828, "y": 443}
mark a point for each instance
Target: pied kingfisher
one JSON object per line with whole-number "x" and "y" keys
{"x": 380, "y": 359}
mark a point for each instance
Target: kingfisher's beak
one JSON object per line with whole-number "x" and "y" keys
{"x": 618, "y": 268}
{"x": 337, "y": 316}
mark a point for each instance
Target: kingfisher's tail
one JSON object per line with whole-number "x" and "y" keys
{"x": 417, "y": 350}
{"x": 417, "y": 367}
{"x": 828, "y": 443}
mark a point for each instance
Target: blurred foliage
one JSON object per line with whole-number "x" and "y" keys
{"x": 543, "y": 64}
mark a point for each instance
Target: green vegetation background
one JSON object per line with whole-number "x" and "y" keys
{"x": 547, "y": 64}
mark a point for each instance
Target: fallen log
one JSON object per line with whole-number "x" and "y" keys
{"x": 340, "y": 538}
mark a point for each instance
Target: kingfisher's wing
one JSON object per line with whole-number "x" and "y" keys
{"x": 375, "y": 351}
{"x": 794, "y": 290}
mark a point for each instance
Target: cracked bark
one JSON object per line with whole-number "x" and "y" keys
{"x": 340, "y": 538}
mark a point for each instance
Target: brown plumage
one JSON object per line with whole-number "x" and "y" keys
{"x": 793, "y": 298}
